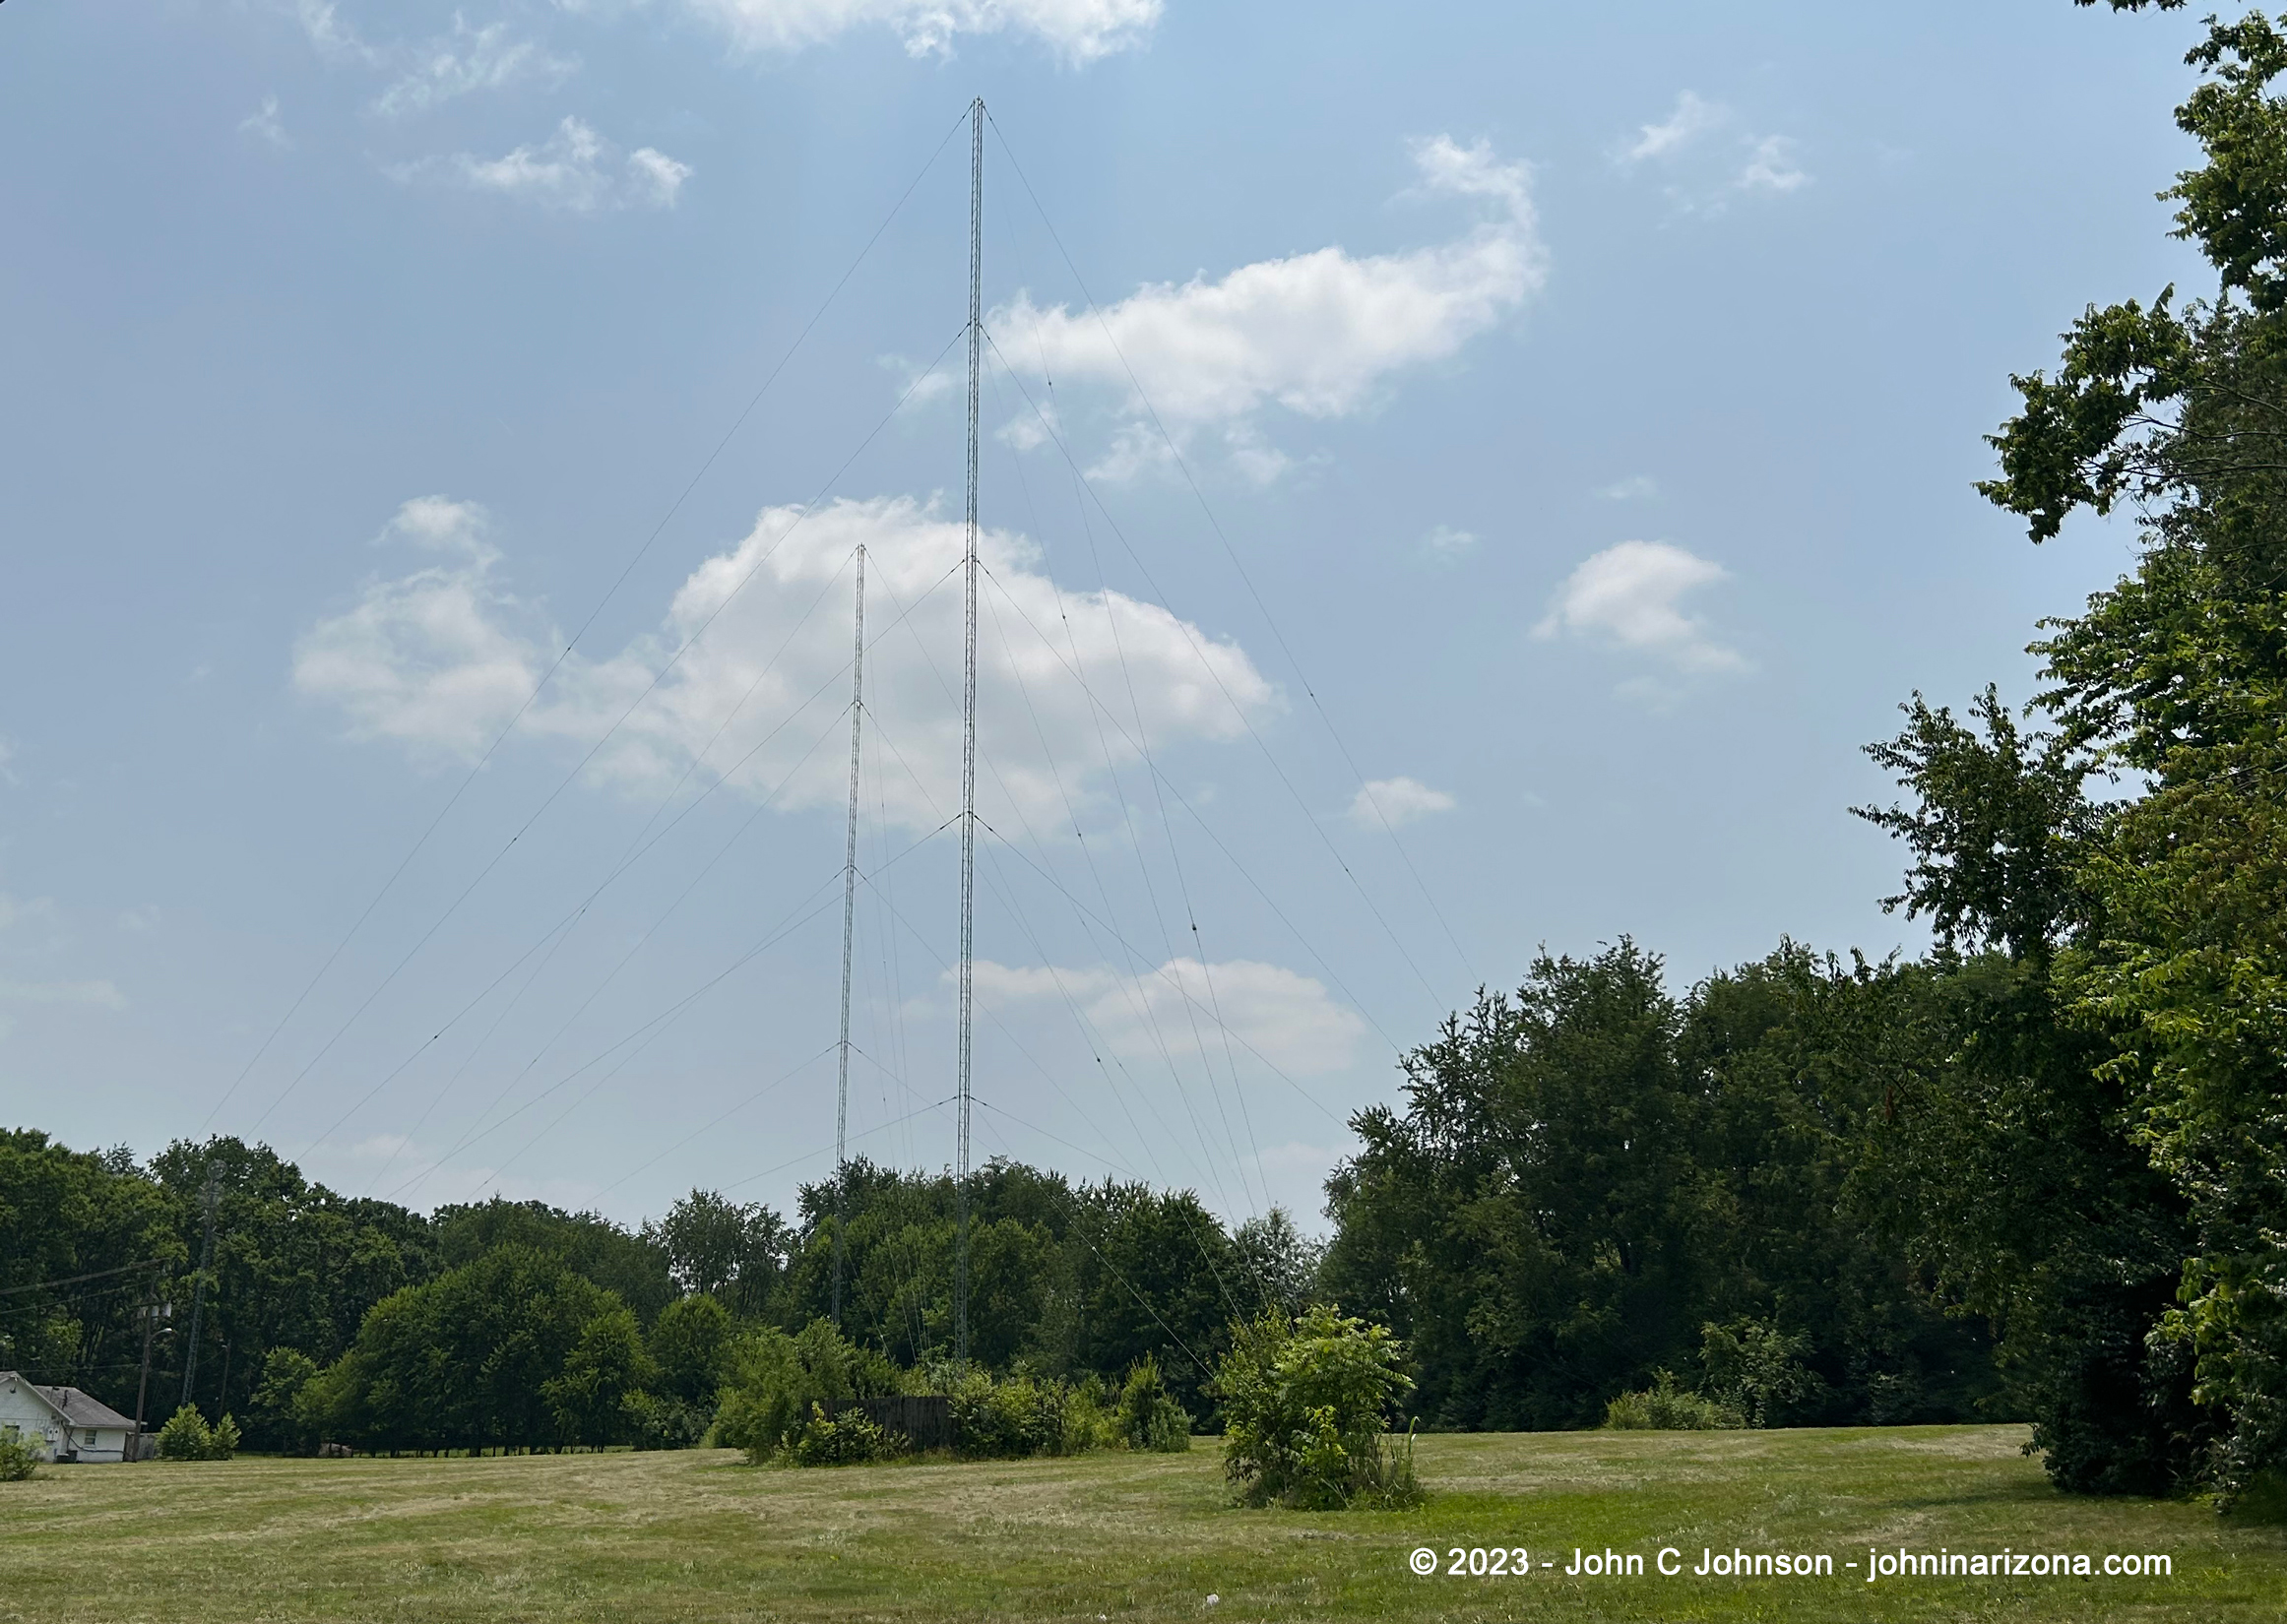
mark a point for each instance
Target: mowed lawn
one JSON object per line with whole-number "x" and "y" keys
{"x": 697, "y": 1535}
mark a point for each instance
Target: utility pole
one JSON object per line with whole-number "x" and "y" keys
{"x": 849, "y": 936}
{"x": 199, "y": 1288}
{"x": 152, "y": 1313}
{"x": 969, "y": 735}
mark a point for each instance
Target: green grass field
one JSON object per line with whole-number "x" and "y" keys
{"x": 697, "y": 1535}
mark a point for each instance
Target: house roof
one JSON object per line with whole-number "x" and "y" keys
{"x": 72, "y": 1407}
{"x": 81, "y": 1410}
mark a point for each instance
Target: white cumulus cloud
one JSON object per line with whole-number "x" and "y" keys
{"x": 440, "y": 659}
{"x": 1633, "y": 594}
{"x": 1079, "y": 31}
{"x": 1693, "y": 118}
{"x": 1447, "y": 542}
{"x": 1317, "y": 333}
{"x": 575, "y": 170}
{"x": 1771, "y": 167}
{"x": 466, "y": 61}
{"x": 430, "y": 658}
{"x": 1284, "y": 1018}
{"x": 1395, "y": 802}
{"x": 265, "y": 126}
{"x": 1709, "y": 160}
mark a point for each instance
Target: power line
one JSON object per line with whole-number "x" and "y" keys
{"x": 1237, "y": 709}
{"x": 610, "y": 734}
{"x": 557, "y": 664}
{"x": 74, "y": 1279}
{"x": 1215, "y": 525}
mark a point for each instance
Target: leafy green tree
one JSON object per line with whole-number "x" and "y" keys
{"x": 2171, "y": 960}
{"x": 1277, "y": 1264}
{"x": 68, "y": 1213}
{"x": 187, "y": 1437}
{"x": 631, "y": 1266}
{"x": 722, "y": 1249}
{"x": 1531, "y": 1222}
{"x": 1756, "y": 1369}
{"x": 1154, "y": 1276}
{"x": 279, "y": 1422}
{"x": 1800, "y": 1063}
{"x": 295, "y": 1264}
{"x": 2022, "y": 1197}
{"x": 604, "y": 1365}
{"x": 512, "y": 1349}
{"x": 690, "y": 1347}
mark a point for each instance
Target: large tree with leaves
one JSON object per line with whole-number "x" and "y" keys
{"x": 2170, "y": 947}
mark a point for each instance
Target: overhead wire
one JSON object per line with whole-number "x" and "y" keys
{"x": 610, "y": 732}
{"x": 1200, "y": 496}
{"x": 1238, "y": 712}
{"x": 565, "y": 653}
{"x": 564, "y": 928}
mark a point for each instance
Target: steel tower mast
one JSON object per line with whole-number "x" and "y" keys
{"x": 849, "y": 934}
{"x": 969, "y": 735}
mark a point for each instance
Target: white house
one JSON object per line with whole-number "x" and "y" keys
{"x": 63, "y": 1423}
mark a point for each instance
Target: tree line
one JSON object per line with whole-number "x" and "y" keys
{"x": 515, "y": 1323}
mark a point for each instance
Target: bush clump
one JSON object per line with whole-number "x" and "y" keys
{"x": 1756, "y": 1369}
{"x": 187, "y": 1437}
{"x": 775, "y": 1384}
{"x": 19, "y": 1457}
{"x": 654, "y": 1420}
{"x": 1305, "y": 1405}
{"x": 1008, "y": 1419}
{"x": 850, "y": 1439}
{"x": 1147, "y": 1416}
{"x": 1666, "y": 1408}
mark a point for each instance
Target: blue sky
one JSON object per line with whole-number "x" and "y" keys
{"x": 1457, "y": 479}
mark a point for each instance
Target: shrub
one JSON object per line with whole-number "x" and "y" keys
{"x": 1147, "y": 1416}
{"x": 1010, "y": 1418}
{"x": 187, "y": 1437}
{"x": 776, "y": 1381}
{"x": 656, "y": 1421}
{"x": 1305, "y": 1402}
{"x": 1756, "y": 1369}
{"x": 1090, "y": 1417}
{"x": 19, "y": 1457}
{"x": 851, "y": 1439}
{"x": 1666, "y": 1408}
